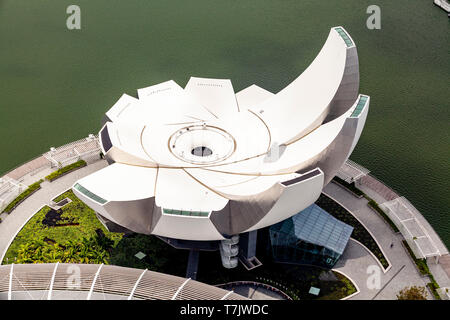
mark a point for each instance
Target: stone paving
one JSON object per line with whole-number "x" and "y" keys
{"x": 12, "y": 223}
{"x": 257, "y": 293}
{"x": 379, "y": 187}
{"x": 354, "y": 262}
{"x": 444, "y": 261}
{"x": 441, "y": 271}
{"x": 28, "y": 167}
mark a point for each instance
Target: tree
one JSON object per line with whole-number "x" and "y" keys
{"x": 412, "y": 293}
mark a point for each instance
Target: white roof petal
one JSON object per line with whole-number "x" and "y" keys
{"x": 176, "y": 189}
{"x": 120, "y": 106}
{"x": 295, "y": 154}
{"x": 216, "y": 95}
{"x": 121, "y": 182}
{"x": 167, "y": 102}
{"x": 237, "y": 186}
{"x": 228, "y": 162}
{"x": 302, "y": 105}
{"x": 252, "y": 96}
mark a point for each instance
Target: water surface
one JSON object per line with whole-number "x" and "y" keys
{"x": 56, "y": 84}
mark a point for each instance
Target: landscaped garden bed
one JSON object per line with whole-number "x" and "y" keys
{"x": 349, "y": 186}
{"x": 359, "y": 233}
{"x": 433, "y": 286}
{"x": 54, "y": 218}
{"x": 420, "y": 263}
{"x": 372, "y": 203}
{"x": 159, "y": 256}
{"x": 375, "y": 207}
{"x": 294, "y": 280}
{"x": 65, "y": 170}
{"x": 65, "y": 236}
{"x": 74, "y": 234}
{"x": 422, "y": 266}
{"x": 21, "y": 197}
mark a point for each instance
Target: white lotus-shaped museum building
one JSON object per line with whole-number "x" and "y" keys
{"x": 206, "y": 163}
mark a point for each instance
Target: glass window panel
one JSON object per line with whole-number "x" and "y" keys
{"x": 89, "y": 194}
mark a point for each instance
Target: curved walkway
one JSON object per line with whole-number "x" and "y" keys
{"x": 356, "y": 259}
{"x": 13, "y": 223}
{"x": 255, "y": 290}
{"x": 354, "y": 262}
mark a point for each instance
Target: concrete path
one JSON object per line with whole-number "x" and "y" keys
{"x": 354, "y": 263}
{"x": 356, "y": 258}
{"x": 256, "y": 293}
{"x": 14, "y": 222}
{"x": 28, "y": 168}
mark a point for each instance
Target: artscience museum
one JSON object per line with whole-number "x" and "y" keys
{"x": 204, "y": 164}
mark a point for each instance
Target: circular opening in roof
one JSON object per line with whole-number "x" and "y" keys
{"x": 201, "y": 144}
{"x": 201, "y": 151}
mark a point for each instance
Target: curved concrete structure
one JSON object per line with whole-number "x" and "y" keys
{"x": 204, "y": 163}
{"x": 68, "y": 281}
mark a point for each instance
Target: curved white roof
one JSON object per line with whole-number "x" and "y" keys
{"x": 50, "y": 281}
{"x": 302, "y": 105}
{"x": 205, "y": 149}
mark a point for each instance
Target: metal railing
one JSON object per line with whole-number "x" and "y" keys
{"x": 254, "y": 284}
{"x": 79, "y": 281}
{"x": 87, "y": 149}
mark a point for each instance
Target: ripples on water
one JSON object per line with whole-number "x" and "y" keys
{"x": 56, "y": 84}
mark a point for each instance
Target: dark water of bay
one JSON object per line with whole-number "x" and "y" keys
{"x": 56, "y": 84}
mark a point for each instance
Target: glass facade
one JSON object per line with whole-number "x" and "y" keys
{"x": 106, "y": 140}
{"x": 89, "y": 194}
{"x": 360, "y": 106}
{"x": 344, "y": 36}
{"x": 186, "y": 213}
{"x": 310, "y": 237}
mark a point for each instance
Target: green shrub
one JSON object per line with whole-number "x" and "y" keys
{"x": 21, "y": 197}
{"x": 35, "y": 231}
{"x": 372, "y": 203}
{"x": 350, "y": 186}
{"x": 58, "y": 173}
{"x": 420, "y": 263}
{"x": 375, "y": 206}
{"x": 412, "y": 293}
{"x": 350, "y": 288}
{"x": 433, "y": 286}
{"x": 85, "y": 250}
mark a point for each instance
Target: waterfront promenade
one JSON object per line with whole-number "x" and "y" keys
{"x": 444, "y": 4}
{"x": 12, "y": 223}
{"x": 357, "y": 262}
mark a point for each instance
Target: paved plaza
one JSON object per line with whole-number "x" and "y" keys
{"x": 357, "y": 259}
{"x": 357, "y": 262}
